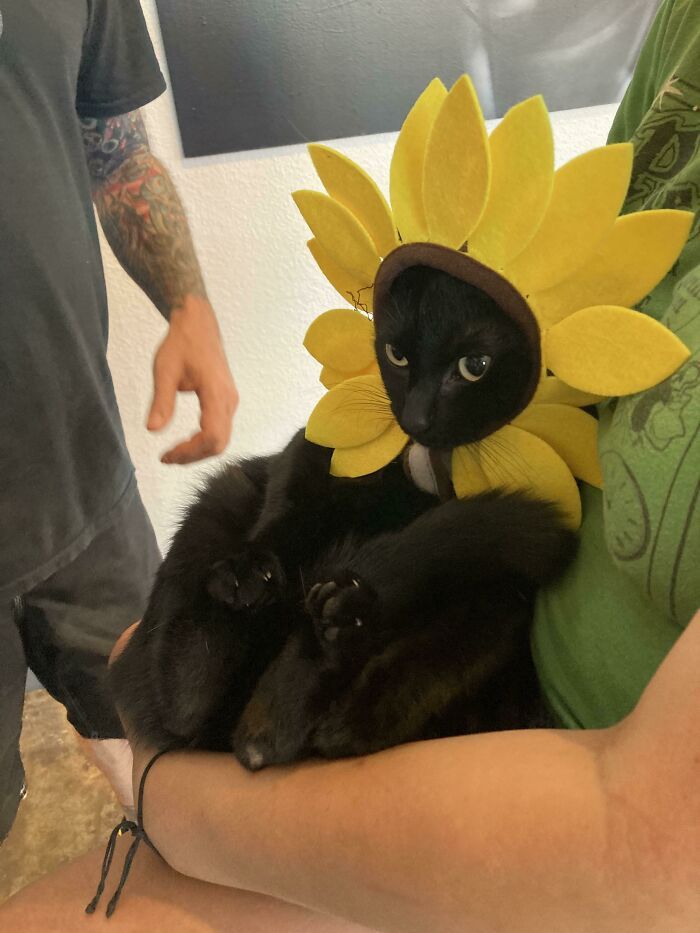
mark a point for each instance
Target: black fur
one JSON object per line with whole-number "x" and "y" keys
{"x": 297, "y": 614}
{"x": 426, "y": 323}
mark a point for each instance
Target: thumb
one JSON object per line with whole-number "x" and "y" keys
{"x": 165, "y": 381}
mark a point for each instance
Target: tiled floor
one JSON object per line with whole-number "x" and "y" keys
{"x": 69, "y": 807}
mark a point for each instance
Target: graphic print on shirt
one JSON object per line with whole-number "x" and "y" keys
{"x": 626, "y": 511}
{"x": 661, "y": 427}
{"x": 662, "y": 423}
{"x": 664, "y": 148}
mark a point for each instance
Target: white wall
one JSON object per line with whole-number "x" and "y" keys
{"x": 262, "y": 282}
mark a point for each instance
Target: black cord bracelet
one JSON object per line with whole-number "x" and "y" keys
{"x": 138, "y": 832}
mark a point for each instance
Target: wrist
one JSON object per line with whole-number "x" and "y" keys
{"x": 193, "y": 305}
{"x": 142, "y": 755}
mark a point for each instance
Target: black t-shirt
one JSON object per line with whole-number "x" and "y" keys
{"x": 63, "y": 462}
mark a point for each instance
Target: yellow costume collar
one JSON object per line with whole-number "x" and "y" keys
{"x": 548, "y": 246}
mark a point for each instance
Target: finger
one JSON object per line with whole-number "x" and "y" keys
{"x": 166, "y": 377}
{"x": 198, "y": 447}
{"x": 217, "y": 407}
{"x": 122, "y": 642}
{"x": 215, "y": 422}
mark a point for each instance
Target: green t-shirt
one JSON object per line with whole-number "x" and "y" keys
{"x": 601, "y": 632}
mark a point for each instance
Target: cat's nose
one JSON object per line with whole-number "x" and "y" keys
{"x": 415, "y": 424}
{"x": 417, "y": 415}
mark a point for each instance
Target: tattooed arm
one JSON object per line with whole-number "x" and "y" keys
{"x": 145, "y": 224}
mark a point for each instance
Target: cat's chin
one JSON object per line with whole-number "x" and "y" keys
{"x": 438, "y": 441}
{"x": 438, "y": 444}
{"x": 441, "y": 440}
{"x": 445, "y": 441}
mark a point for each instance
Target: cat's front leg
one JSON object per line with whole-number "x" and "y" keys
{"x": 456, "y": 546}
{"x": 191, "y": 644}
{"x": 295, "y": 515}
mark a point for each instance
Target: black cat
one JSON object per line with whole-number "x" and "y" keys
{"x": 298, "y": 614}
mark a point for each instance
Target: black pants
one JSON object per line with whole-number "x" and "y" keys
{"x": 64, "y": 630}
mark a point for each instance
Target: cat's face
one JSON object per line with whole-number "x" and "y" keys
{"x": 453, "y": 364}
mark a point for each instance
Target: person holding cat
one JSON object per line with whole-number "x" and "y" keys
{"x": 77, "y": 550}
{"x": 566, "y": 828}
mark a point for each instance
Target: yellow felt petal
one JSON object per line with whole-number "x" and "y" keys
{"x": 370, "y": 457}
{"x": 630, "y": 262}
{"x": 352, "y": 187}
{"x": 572, "y": 433}
{"x": 514, "y": 459}
{"x": 522, "y": 175}
{"x": 333, "y": 377}
{"x": 355, "y": 289}
{"x": 554, "y": 391}
{"x": 457, "y": 167}
{"x": 612, "y": 351}
{"x": 340, "y": 234}
{"x": 468, "y": 478}
{"x": 587, "y": 196}
{"x": 341, "y": 339}
{"x": 352, "y": 413}
{"x": 406, "y": 175}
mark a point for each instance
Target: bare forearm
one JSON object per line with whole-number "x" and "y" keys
{"x": 496, "y": 832}
{"x": 511, "y": 832}
{"x": 145, "y": 223}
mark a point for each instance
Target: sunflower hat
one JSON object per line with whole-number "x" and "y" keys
{"x": 547, "y": 246}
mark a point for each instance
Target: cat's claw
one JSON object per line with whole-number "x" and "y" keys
{"x": 249, "y": 580}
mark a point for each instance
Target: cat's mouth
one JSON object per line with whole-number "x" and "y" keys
{"x": 438, "y": 439}
{"x": 433, "y": 433}
{"x": 431, "y": 437}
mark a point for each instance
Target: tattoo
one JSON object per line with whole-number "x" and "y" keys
{"x": 108, "y": 142}
{"x": 140, "y": 211}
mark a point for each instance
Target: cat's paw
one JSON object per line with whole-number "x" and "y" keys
{"x": 249, "y": 580}
{"x": 343, "y": 610}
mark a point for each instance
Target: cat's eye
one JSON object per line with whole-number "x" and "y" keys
{"x": 473, "y": 368}
{"x": 394, "y": 356}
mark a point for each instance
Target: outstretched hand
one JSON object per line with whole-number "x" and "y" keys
{"x": 191, "y": 359}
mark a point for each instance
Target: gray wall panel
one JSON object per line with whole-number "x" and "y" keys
{"x": 247, "y": 75}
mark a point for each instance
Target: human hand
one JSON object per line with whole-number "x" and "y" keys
{"x": 191, "y": 359}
